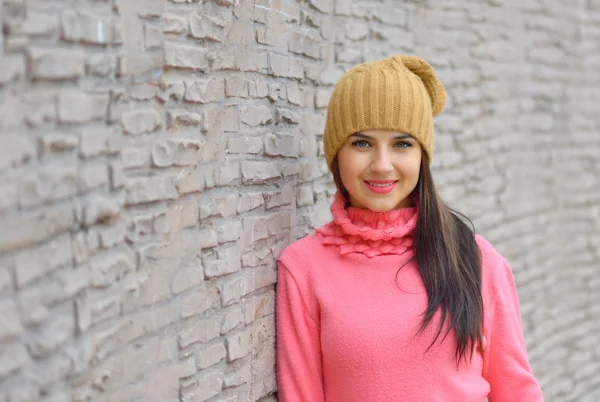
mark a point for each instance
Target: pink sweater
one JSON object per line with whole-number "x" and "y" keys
{"x": 347, "y": 331}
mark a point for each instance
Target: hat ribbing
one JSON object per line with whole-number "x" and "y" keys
{"x": 400, "y": 93}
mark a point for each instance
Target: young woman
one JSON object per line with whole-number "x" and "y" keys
{"x": 396, "y": 299}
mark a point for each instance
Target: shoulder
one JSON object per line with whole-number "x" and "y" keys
{"x": 300, "y": 253}
{"x": 494, "y": 267}
{"x": 489, "y": 254}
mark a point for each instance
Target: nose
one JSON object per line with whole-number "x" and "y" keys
{"x": 382, "y": 162}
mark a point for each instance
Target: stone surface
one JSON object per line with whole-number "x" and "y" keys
{"x": 157, "y": 156}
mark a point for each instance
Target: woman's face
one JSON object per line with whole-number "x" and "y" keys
{"x": 380, "y": 169}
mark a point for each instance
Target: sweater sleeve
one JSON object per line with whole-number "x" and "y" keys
{"x": 299, "y": 372}
{"x": 506, "y": 365}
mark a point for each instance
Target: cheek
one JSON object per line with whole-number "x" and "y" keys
{"x": 351, "y": 166}
{"x": 410, "y": 168}
{"x": 349, "y": 174}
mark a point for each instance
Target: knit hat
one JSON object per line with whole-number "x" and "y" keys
{"x": 400, "y": 93}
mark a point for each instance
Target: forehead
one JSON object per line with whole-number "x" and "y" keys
{"x": 383, "y": 134}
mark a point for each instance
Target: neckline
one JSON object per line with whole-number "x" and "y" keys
{"x": 359, "y": 230}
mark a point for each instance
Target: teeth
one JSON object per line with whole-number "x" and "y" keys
{"x": 380, "y": 185}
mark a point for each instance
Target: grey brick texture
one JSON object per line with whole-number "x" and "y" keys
{"x": 157, "y": 155}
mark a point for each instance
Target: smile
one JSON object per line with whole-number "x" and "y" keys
{"x": 381, "y": 186}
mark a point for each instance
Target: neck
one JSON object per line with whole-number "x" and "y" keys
{"x": 369, "y": 232}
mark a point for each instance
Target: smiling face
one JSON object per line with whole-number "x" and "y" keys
{"x": 380, "y": 169}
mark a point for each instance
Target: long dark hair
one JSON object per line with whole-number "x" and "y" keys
{"x": 449, "y": 262}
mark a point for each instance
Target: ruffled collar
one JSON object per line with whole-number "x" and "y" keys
{"x": 357, "y": 230}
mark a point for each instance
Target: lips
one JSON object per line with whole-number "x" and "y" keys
{"x": 381, "y": 186}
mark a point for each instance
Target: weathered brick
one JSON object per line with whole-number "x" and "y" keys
{"x": 141, "y": 121}
{"x": 304, "y": 196}
{"x": 10, "y": 325}
{"x": 238, "y": 345}
{"x": 232, "y": 289}
{"x": 231, "y": 318}
{"x": 236, "y": 85}
{"x": 271, "y": 37}
{"x": 16, "y": 149}
{"x": 85, "y": 27}
{"x": 259, "y": 172}
{"x": 201, "y": 331}
{"x": 245, "y": 145}
{"x": 171, "y": 89}
{"x": 132, "y": 63}
{"x": 92, "y": 176}
{"x": 51, "y": 334}
{"x": 226, "y": 175}
{"x": 94, "y": 141}
{"x": 151, "y": 189}
{"x": 325, "y": 6}
{"x": 227, "y": 261}
{"x": 224, "y": 205}
{"x": 153, "y": 37}
{"x": 209, "y": 27}
{"x": 101, "y": 64}
{"x": 229, "y": 231}
{"x": 259, "y": 306}
{"x": 223, "y": 59}
{"x": 205, "y": 90}
{"x": 210, "y": 384}
{"x": 207, "y": 239}
{"x": 210, "y": 355}
{"x": 198, "y": 301}
{"x": 182, "y": 117}
{"x": 283, "y": 197}
{"x": 178, "y": 216}
{"x": 132, "y": 158}
{"x": 112, "y": 234}
{"x": 304, "y": 44}
{"x": 108, "y": 268}
{"x": 13, "y": 356}
{"x": 178, "y": 152}
{"x": 253, "y": 115}
{"x": 11, "y": 69}
{"x": 54, "y": 183}
{"x": 287, "y": 116}
{"x": 58, "y": 142}
{"x": 322, "y": 98}
{"x": 185, "y": 57}
{"x": 174, "y": 24}
{"x": 250, "y": 201}
{"x": 282, "y": 145}
{"x": 99, "y": 208}
{"x": 29, "y": 228}
{"x": 284, "y": 66}
{"x": 187, "y": 278}
{"x": 39, "y": 24}
{"x": 10, "y": 191}
{"x": 256, "y": 257}
{"x": 239, "y": 377}
{"x": 258, "y": 88}
{"x": 194, "y": 179}
{"x": 76, "y": 106}
{"x": 56, "y": 64}
{"x": 31, "y": 265}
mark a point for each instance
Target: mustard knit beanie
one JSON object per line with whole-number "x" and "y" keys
{"x": 400, "y": 93}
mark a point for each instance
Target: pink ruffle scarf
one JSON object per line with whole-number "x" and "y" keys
{"x": 357, "y": 230}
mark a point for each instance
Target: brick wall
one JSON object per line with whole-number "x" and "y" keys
{"x": 157, "y": 155}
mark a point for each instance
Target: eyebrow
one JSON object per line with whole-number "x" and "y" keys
{"x": 368, "y": 137}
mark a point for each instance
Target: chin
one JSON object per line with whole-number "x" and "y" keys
{"x": 382, "y": 206}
